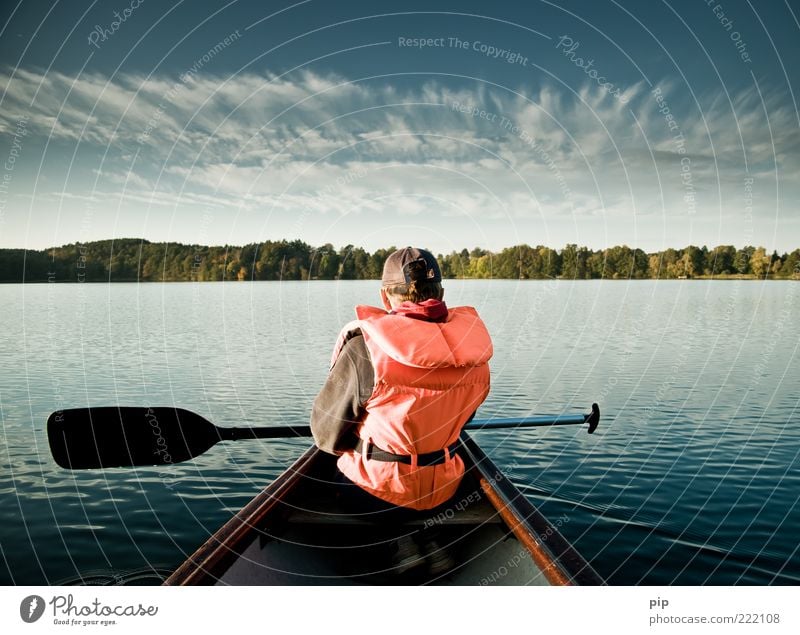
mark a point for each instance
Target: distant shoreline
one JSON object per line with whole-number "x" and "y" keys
{"x": 137, "y": 260}
{"x": 444, "y": 280}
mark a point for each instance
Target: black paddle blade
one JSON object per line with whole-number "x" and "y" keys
{"x": 86, "y": 438}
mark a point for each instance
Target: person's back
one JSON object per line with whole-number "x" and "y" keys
{"x": 403, "y": 383}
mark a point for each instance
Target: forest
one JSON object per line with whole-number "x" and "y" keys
{"x": 138, "y": 260}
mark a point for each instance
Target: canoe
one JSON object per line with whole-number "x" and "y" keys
{"x": 294, "y": 533}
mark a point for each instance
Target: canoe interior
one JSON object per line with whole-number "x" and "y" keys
{"x": 313, "y": 543}
{"x": 295, "y": 533}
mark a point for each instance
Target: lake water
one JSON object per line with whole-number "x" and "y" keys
{"x": 692, "y": 478}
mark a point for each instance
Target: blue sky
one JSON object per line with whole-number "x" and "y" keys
{"x": 444, "y": 124}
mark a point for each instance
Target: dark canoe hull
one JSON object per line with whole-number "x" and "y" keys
{"x": 292, "y": 533}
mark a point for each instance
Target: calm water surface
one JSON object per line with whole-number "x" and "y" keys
{"x": 692, "y": 478}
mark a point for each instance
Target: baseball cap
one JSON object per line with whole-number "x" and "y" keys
{"x": 400, "y": 267}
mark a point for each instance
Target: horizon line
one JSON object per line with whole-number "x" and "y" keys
{"x": 293, "y": 240}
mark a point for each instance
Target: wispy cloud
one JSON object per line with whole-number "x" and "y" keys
{"x": 326, "y": 145}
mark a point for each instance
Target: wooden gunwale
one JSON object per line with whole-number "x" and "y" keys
{"x": 551, "y": 552}
{"x": 207, "y": 564}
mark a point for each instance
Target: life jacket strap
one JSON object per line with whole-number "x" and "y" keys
{"x": 429, "y": 458}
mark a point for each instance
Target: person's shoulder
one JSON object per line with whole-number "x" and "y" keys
{"x": 357, "y": 360}
{"x": 351, "y": 334}
{"x": 354, "y": 345}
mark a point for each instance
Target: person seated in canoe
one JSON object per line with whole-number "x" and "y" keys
{"x": 404, "y": 380}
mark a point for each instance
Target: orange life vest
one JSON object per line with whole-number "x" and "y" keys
{"x": 429, "y": 378}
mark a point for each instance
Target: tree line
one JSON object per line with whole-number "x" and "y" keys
{"x": 132, "y": 260}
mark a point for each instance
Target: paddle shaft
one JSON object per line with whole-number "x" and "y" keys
{"x": 476, "y": 425}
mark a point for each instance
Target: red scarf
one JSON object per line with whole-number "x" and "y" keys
{"x": 428, "y": 310}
